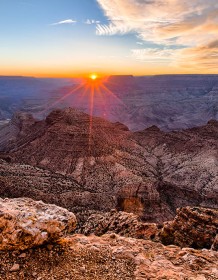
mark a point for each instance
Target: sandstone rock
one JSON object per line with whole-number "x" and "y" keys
{"x": 23, "y": 255}
{"x": 192, "y": 227}
{"x": 25, "y": 223}
{"x": 215, "y": 243}
{"x": 125, "y": 224}
{"x": 15, "y": 268}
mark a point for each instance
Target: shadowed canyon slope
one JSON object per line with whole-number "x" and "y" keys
{"x": 134, "y": 172}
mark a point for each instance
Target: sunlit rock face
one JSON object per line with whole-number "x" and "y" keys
{"x": 150, "y": 173}
{"x": 26, "y": 223}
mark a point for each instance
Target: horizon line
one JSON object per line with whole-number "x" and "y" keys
{"x": 109, "y": 75}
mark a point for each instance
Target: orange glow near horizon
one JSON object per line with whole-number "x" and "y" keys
{"x": 139, "y": 70}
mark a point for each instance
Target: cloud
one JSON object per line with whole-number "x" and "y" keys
{"x": 111, "y": 29}
{"x": 172, "y": 24}
{"x": 92, "y": 21}
{"x": 204, "y": 56}
{"x": 66, "y": 21}
{"x": 200, "y": 57}
{"x": 154, "y": 54}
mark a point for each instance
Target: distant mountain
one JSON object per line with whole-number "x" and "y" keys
{"x": 149, "y": 173}
{"x": 15, "y": 77}
{"x": 29, "y": 94}
{"x": 122, "y": 80}
{"x": 171, "y": 102}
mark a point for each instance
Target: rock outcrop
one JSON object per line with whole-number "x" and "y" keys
{"x": 192, "y": 227}
{"x": 16, "y": 128}
{"x": 124, "y": 224}
{"x": 25, "y": 223}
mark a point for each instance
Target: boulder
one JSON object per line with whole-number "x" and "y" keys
{"x": 194, "y": 227}
{"x": 25, "y": 223}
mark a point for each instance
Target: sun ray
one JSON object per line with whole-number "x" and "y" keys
{"x": 91, "y": 115}
{"x": 92, "y": 95}
{"x": 112, "y": 94}
{"x": 103, "y": 99}
{"x": 51, "y": 106}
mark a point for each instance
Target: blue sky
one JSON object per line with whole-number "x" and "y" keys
{"x": 30, "y": 39}
{"x": 69, "y": 37}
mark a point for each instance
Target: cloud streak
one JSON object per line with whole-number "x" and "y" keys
{"x": 111, "y": 29}
{"x": 92, "y": 21}
{"x": 171, "y": 24}
{"x": 66, "y": 21}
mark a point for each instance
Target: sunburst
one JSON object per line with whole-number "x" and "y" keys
{"x": 93, "y": 88}
{"x": 93, "y": 77}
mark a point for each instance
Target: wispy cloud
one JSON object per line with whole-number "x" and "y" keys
{"x": 204, "y": 56}
{"x": 92, "y": 21}
{"x": 155, "y": 54}
{"x": 66, "y": 21}
{"x": 111, "y": 29}
{"x": 199, "y": 57}
{"x": 168, "y": 23}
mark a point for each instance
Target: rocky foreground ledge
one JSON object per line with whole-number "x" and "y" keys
{"x": 37, "y": 242}
{"x": 25, "y": 223}
{"x": 110, "y": 257}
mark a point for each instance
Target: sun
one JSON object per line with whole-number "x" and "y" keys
{"x": 93, "y": 77}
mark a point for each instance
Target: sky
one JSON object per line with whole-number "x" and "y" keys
{"x": 66, "y": 38}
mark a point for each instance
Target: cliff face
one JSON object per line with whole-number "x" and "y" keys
{"x": 134, "y": 172}
{"x": 192, "y": 227}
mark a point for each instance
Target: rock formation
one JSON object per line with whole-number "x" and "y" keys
{"x": 106, "y": 166}
{"x": 125, "y": 224}
{"x": 51, "y": 252}
{"x": 25, "y": 223}
{"x": 192, "y": 227}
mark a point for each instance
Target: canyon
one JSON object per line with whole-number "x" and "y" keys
{"x": 91, "y": 198}
{"x": 171, "y": 102}
{"x": 109, "y": 166}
